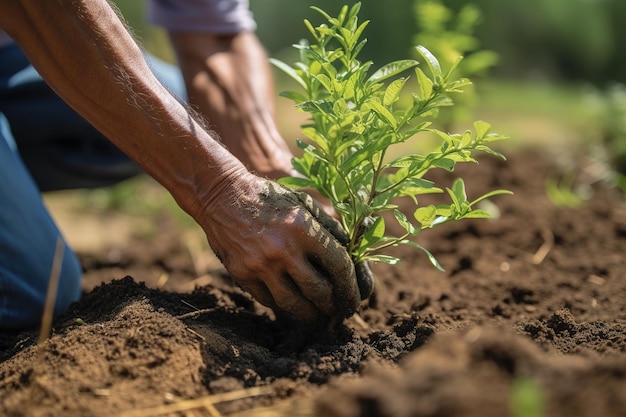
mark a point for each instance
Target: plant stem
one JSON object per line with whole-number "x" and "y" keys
{"x": 391, "y": 242}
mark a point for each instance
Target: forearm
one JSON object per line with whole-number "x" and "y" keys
{"x": 229, "y": 80}
{"x": 86, "y": 55}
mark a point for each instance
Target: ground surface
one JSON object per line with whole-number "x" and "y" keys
{"x": 529, "y": 316}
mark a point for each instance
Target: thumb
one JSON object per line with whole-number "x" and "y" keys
{"x": 328, "y": 222}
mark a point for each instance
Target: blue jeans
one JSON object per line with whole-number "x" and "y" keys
{"x": 59, "y": 148}
{"x": 63, "y": 152}
{"x": 28, "y": 238}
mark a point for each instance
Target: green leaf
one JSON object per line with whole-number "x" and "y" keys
{"x": 316, "y": 137}
{"x": 342, "y": 16}
{"x": 430, "y": 256}
{"x": 294, "y": 182}
{"x": 307, "y": 53}
{"x": 454, "y": 66}
{"x": 443, "y": 135}
{"x": 481, "y": 128}
{"x": 355, "y": 159}
{"x": 477, "y": 214}
{"x": 357, "y": 49}
{"x": 445, "y": 163}
{"x": 302, "y": 165}
{"x": 406, "y": 161}
{"x": 385, "y": 259}
{"x": 392, "y": 93}
{"x": 354, "y": 11}
{"x": 466, "y": 139}
{"x": 317, "y": 106}
{"x": 425, "y": 84}
{"x": 458, "y": 187}
{"x": 456, "y": 86}
{"x": 493, "y": 137}
{"x": 458, "y": 192}
{"x": 490, "y": 194}
{"x": 325, "y": 81}
{"x": 391, "y": 69}
{"x": 490, "y": 151}
{"x": 382, "y": 111}
{"x": 289, "y": 71}
{"x": 309, "y": 26}
{"x": 410, "y": 132}
{"x": 374, "y": 233}
{"x": 357, "y": 34}
{"x": 292, "y": 95}
{"x": 404, "y": 222}
{"x": 322, "y": 12}
{"x": 426, "y": 215}
{"x": 431, "y": 61}
{"x": 312, "y": 150}
{"x": 413, "y": 192}
{"x": 444, "y": 212}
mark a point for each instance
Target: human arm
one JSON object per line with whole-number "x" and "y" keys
{"x": 228, "y": 79}
{"x": 271, "y": 245}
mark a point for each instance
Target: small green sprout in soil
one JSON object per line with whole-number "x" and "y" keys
{"x": 356, "y": 116}
{"x": 527, "y": 398}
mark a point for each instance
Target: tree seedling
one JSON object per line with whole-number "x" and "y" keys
{"x": 356, "y": 116}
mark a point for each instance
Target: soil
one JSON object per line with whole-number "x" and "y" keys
{"x": 528, "y": 320}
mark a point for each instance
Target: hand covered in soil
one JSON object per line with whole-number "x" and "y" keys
{"x": 364, "y": 276}
{"x": 277, "y": 245}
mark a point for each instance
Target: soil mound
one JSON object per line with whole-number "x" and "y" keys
{"x": 529, "y": 316}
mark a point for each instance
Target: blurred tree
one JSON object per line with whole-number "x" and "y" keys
{"x": 556, "y": 39}
{"x": 569, "y": 39}
{"x": 450, "y": 37}
{"x": 388, "y": 34}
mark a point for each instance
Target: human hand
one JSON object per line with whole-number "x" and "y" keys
{"x": 364, "y": 275}
{"x": 275, "y": 246}
{"x": 229, "y": 81}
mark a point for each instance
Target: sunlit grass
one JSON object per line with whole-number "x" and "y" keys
{"x": 535, "y": 113}
{"x": 111, "y": 216}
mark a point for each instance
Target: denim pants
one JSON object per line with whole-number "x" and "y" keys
{"x": 44, "y": 145}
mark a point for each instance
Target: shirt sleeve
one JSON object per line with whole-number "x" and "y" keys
{"x": 222, "y": 17}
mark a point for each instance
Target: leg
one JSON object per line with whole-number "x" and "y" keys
{"x": 28, "y": 238}
{"x": 59, "y": 148}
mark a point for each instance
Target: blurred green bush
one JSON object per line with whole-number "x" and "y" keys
{"x": 568, "y": 40}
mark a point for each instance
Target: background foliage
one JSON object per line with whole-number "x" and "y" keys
{"x": 569, "y": 40}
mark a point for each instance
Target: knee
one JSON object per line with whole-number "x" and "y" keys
{"x": 22, "y": 299}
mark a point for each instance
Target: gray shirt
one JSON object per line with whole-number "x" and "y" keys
{"x": 221, "y": 17}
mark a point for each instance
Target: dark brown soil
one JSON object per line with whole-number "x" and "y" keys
{"x": 528, "y": 320}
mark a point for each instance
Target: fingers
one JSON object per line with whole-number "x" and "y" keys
{"x": 365, "y": 279}
{"x": 364, "y": 275}
{"x": 316, "y": 284}
{"x": 328, "y": 222}
{"x": 331, "y": 261}
{"x": 312, "y": 276}
{"x": 282, "y": 294}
